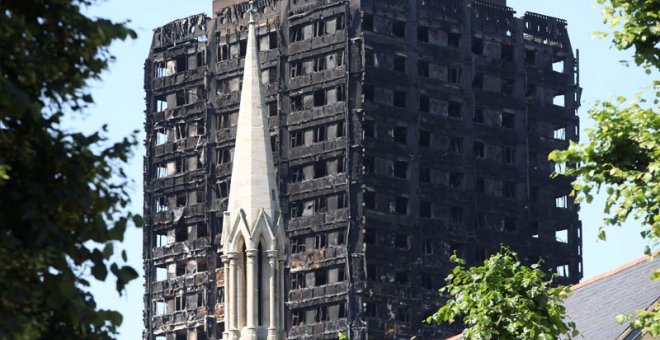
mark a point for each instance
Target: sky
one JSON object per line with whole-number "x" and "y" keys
{"x": 119, "y": 98}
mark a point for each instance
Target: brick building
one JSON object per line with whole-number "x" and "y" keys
{"x": 402, "y": 131}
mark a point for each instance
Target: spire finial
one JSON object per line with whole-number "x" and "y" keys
{"x": 252, "y": 9}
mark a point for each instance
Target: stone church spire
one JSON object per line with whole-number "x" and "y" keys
{"x": 253, "y": 231}
{"x": 253, "y": 185}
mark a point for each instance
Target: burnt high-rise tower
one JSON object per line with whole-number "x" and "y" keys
{"x": 401, "y": 131}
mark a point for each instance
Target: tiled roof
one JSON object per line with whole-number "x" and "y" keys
{"x": 594, "y": 304}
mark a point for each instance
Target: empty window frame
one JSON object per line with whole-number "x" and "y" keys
{"x": 400, "y": 134}
{"x": 160, "y": 103}
{"x": 456, "y": 215}
{"x": 368, "y": 165}
{"x": 369, "y": 199}
{"x": 456, "y": 179}
{"x": 424, "y": 174}
{"x": 400, "y": 169}
{"x": 508, "y": 86}
{"x": 161, "y": 204}
{"x": 453, "y": 40}
{"x": 427, "y": 280}
{"x": 509, "y": 155}
{"x": 563, "y": 271}
{"x": 297, "y": 245}
{"x": 320, "y": 241}
{"x": 561, "y": 235}
{"x": 561, "y": 202}
{"x": 320, "y": 134}
{"x": 399, "y": 64}
{"x": 160, "y": 69}
{"x": 530, "y": 57}
{"x": 427, "y": 246}
{"x": 478, "y": 115}
{"x": 368, "y": 129}
{"x": 423, "y": 68}
{"x": 422, "y": 34}
{"x": 508, "y": 120}
{"x": 401, "y": 241}
{"x": 296, "y": 33}
{"x": 510, "y": 190}
{"x": 161, "y": 136}
{"x": 424, "y": 103}
{"x": 507, "y": 52}
{"x": 321, "y": 314}
{"x": 456, "y": 145}
{"x": 368, "y": 93}
{"x": 455, "y": 74}
{"x": 160, "y": 240}
{"x": 477, "y": 46}
{"x": 160, "y": 307}
{"x": 425, "y": 210}
{"x": 318, "y": 28}
{"x": 479, "y": 149}
{"x": 179, "y": 303}
{"x": 367, "y": 22}
{"x": 559, "y": 134}
{"x": 369, "y": 236}
{"x": 403, "y": 314}
{"x": 319, "y": 64}
{"x": 478, "y": 80}
{"x": 180, "y": 131}
{"x": 399, "y": 99}
{"x": 224, "y": 156}
{"x": 401, "y": 278}
{"x": 454, "y": 110}
{"x": 223, "y": 189}
{"x": 424, "y": 138}
{"x": 320, "y": 277}
{"x": 559, "y": 99}
{"x": 161, "y": 171}
{"x": 401, "y": 205}
{"x": 559, "y": 66}
{"x": 297, "y": 138}
{"x": 272, "y": 40}
{"x": 242, "y": 48}
{"x": 480, "y": 185}
{"x": 298, "y": 317}
{"x": 399, "y": 28}
{"x": 223, "y": 52}
{"x": 298, "y": 280}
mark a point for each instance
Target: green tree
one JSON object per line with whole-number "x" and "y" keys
{"x": 63, "y": 197}
{"x": 634, "y": 25}
{"x": 622, "y": 154}
{"x": 503, "y": 299}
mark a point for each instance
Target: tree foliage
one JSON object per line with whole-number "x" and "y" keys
{"x": 63, "y": 195}
{"x": 503, "y": 299}
{"x": 621, "y": 157}
{"x": 635, "y": 24}
{"x": 622, "y": 154}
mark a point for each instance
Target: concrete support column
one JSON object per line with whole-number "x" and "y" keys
{"x": 251, "y": 295}
{"x": 227, "y": 297}
{"x": 232, "y": 311}
{"x": 272, "y": 295}
{"x": 281, "y": 294}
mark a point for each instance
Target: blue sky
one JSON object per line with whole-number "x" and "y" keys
{"x": 120, "y": 104}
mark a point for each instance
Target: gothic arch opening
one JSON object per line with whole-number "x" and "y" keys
{"x": 241, "y": 282}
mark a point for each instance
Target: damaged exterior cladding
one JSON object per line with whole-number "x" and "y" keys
{"x": 402, "y": 131}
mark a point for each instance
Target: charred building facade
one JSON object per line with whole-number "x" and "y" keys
{"x": 401, "y": 131}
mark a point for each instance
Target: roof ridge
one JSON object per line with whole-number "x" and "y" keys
{"x": 614, "y": 271}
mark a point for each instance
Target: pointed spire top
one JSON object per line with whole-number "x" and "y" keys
{"x": 253, "y": 180}
{"x": 252, "y": 9}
